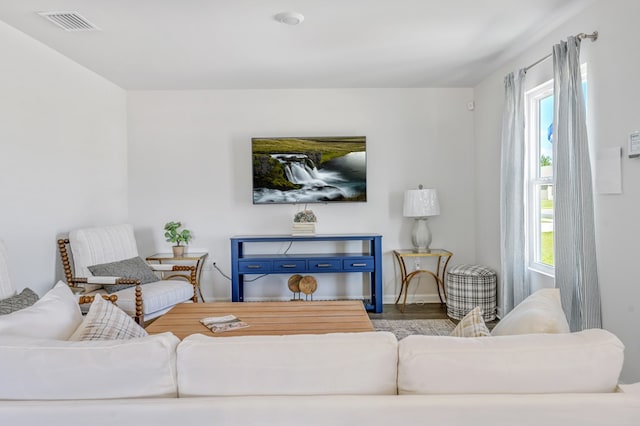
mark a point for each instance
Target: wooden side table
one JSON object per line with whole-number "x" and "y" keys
{"x": 196, "y": 259}
{"x": 439, "y": 274}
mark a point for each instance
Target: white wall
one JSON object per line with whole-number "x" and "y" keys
{"x": 614, "y": 90}
{"x": 190, "y": 160}
{"x": 62, "y": 154}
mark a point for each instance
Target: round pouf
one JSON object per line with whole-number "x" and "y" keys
{"x": 469, "y": 286}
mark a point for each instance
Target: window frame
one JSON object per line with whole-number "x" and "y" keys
{"x": 533, "y": 178}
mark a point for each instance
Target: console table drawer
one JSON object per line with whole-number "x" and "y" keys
{"x": 292, "y": 265}
{"x": 358, "y": 264}
{"x": 255, "y": 266}
{"x": 324, "y": 265}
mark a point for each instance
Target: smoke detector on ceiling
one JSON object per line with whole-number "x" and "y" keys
{"x": 289, "y": 18}
{"x": 69, "y": 21}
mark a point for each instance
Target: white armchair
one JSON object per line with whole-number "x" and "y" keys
{"x": 104, "y": 245}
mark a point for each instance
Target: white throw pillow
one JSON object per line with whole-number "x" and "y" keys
{"x": 55, "y": 316}
{"x": 42, "y": 369}
{"x": 105, "y": 321}
{"x": 472, "y": 325}
{"x": 539, "y": 313}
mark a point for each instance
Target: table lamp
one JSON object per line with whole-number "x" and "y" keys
{"x": 420, "y": 204}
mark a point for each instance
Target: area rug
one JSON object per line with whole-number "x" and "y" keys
{"x": 404, "y": 328}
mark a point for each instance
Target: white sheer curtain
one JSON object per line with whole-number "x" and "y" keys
{"x": 575, "y": 249}
{"x": 514, "y": 283}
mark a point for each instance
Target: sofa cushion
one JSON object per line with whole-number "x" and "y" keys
{"x": 94, "y": 246}
{"x": 105, "y": 321}
{"x": 158, "y": 297}
{"x": 24, "y": 299}
{"x": 324, "y": 364}
{"x": 134, "y": 268}
{"x": 143, "y": 367}
{"x": 472, "y": 325}
{"x": 587, "y": 361}
{"x": 55, "y": 316}
{"x": 541, "y": 312}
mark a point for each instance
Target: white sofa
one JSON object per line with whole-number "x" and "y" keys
{"x": 333, "y": 379}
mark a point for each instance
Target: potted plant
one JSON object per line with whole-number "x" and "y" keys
{"x": 175, "y": 235}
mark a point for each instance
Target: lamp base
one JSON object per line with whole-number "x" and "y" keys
{"x": 421, "y": 235}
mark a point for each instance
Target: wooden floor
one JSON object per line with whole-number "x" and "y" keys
{"x": 412, "y": 311}
{"x": 417, "y": 311}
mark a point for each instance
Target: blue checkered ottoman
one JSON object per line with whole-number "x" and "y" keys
{"x": 469, "y": 286}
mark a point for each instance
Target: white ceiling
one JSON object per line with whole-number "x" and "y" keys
{"x": 236, "y": 44}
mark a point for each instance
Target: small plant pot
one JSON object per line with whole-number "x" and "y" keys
{"x": 178, "y": 251}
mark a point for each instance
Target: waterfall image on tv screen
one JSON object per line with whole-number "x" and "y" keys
{"x": 309, "y": 169}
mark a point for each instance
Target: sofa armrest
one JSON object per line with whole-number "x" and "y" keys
{"x": 113, "y": 298}
{"x": 191, "y": 277}
{"x": 106, "y": 281}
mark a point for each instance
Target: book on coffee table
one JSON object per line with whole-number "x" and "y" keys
{"x": 222, "y": 324}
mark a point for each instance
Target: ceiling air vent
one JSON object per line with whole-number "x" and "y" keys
{"x": 69, "y": 21}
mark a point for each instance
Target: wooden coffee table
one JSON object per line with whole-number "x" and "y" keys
{"x": 267, "y": 318}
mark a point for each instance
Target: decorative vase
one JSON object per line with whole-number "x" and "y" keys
{"x": 178, "y": 251}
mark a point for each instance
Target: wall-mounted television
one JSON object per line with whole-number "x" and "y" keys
{"x": 300, "y": 170}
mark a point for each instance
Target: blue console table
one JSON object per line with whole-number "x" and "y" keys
{"x": 370, "y": 261}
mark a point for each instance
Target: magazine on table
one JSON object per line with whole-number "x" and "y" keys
{"x": 222, "y": 324}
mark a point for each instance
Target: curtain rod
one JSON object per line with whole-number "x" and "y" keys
{"x": 593, "y": 36}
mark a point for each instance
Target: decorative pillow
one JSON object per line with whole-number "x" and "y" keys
{"x": 472, "y": 325}
{"x": 105, "y": 321}
{"x": 134, "y": 268}
{"x": 55, "y": 316}
{"x": 539, "y": 313}
{"x": 20, "y": 301}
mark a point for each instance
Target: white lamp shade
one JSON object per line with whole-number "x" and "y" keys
{"x": 421, "y": 203}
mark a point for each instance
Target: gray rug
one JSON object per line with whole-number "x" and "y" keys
{"x": 404, "y": 328}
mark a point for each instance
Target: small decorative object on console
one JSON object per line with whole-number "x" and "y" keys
{"x": 308, "y": 285}
{"x": 304, "y": 223}
{"x": 293, "y": 284}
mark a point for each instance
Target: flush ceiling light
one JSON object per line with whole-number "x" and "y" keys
{"x": 289, "y": 18}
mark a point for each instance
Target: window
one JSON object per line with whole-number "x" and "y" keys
{"x": 539, "y": 201}
{"x": 539, "y": 175}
